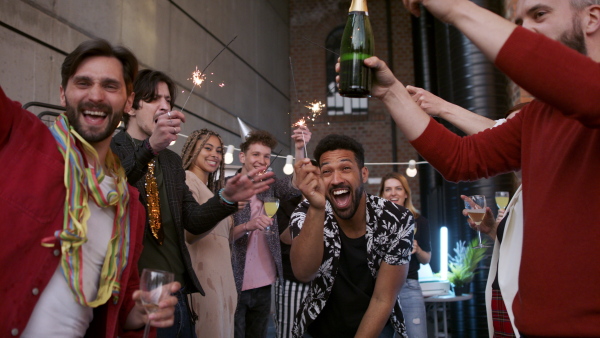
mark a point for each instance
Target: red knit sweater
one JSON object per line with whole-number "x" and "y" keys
{"x": 555, "y": 141}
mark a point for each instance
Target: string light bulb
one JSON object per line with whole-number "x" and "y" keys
{"x": 411, "y": 171}
{"x": 229, "y": 154}
{"x": 288, "y": 168}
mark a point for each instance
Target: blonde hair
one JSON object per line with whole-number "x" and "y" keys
{"x": 408, "y": 203}
{"x": 188, "y": 156}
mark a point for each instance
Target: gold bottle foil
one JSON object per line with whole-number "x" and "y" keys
{"x": 359, "y": 6}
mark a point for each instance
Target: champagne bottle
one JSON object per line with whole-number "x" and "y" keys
{"x": 357, "y": 45}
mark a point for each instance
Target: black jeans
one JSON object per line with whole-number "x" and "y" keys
{"x": 252, "y": 313}
{"x": 183, "y": 326}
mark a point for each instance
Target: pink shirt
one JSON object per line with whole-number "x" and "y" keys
{"x": 260, "y": 265}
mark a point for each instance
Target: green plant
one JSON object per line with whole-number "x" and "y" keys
{"x": 462, "y": 266}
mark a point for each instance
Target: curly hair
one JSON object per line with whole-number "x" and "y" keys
{"x": 193, "y": 146}
{"x": 334, "y": 142}
{"x": 408, "y": 204}
{"x": 261, "y": 137}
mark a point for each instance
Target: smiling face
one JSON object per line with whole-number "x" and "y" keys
{"x": 96, "y": 97}
{"x": 257, "y": 155}
{"x": 394, "y": 191}
{"x": 556, "y": 19}
{"x": 141, "y": 123}
{"x": 210, "y": 156}
{"x": 344, "y": 182}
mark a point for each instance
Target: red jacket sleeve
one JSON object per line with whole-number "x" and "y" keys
{"x": 485, "y": 154}
{"x": 553, "y": 73}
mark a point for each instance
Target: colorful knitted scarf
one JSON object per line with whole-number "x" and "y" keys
{"x": 81, "y": 183}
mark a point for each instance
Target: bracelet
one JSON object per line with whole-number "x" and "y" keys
{"x": 147, "y": 145}
{"x": 223, "y": 198}
{"x": 246, "y": 228}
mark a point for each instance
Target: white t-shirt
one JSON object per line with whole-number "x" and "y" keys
{"x": 57, "y": 314}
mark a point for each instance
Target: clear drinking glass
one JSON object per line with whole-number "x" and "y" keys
{"x": 476, "y": 211}
{"x": 501, "y": 199}
{"x": 271, "y": 205}
{"x": 155, "y": 287}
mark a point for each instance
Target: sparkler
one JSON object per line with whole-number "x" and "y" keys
{"x": 198, "y": 77}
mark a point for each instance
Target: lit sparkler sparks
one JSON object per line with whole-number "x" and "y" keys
{"x": 198, "y": 77}
{"x": 300, "y": 123}
{"x": 316, "y": 107}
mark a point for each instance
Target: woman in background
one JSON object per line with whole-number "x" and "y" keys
{"x": 202, "y": 157}
{"x": 394, "y": 187}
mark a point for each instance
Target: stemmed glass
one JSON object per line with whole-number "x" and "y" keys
{"x": 271, "y": 206}
{"x": 476, "y": 211}
{"x": 502, "y": 199}
{"x": 155, "y": 287}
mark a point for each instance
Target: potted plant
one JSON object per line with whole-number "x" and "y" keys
{"x": 463, "y": 264}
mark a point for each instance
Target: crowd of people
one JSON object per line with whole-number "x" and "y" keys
{"x": 342, "y": 262}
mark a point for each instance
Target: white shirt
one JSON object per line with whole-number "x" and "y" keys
{"x": 57, "y": 314}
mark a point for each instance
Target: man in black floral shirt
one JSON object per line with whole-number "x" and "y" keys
{"x": 353, "y": 248}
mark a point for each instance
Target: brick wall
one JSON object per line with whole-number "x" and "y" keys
{"x": 314, "y": 20}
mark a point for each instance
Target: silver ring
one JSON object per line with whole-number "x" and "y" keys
{"x": 251, "y": 178}
{"x": 174, "y": 131}
{"x": 169, "y": 114}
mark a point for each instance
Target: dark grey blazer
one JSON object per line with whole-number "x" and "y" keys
{"x": 186, "y": 212}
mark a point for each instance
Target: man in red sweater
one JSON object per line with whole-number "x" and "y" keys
{"x": 555, "y": 141}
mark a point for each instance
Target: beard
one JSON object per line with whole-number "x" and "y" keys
{"x": 574, "y": 38}
{"x": 349, "y": 212}
{"x": 93, "y": 134}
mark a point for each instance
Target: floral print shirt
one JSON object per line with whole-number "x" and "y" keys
{"x": 389, "y": 236}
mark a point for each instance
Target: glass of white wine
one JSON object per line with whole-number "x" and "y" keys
{"x": 476, "y": 211}
{"x": 271, "y": 205}
{"x": 502, "y": 199}
{"x": 155, "y": 287}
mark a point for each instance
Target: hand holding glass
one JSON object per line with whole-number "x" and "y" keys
{"x": 476, "y": 211}
{"x": 271, "y": 205}
{"x": 155, "y": 287}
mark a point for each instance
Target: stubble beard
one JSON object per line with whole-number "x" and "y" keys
{"x": 350, "y": 212}
{"x": 575, "y": 38}
{"x": 92, "y": 135}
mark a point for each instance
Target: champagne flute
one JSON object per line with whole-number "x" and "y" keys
{"x": 155, "y": 287}
{"x": 476, "y": 212}
{"x": 501, "y": 199}
{"x": 271, "y": 205}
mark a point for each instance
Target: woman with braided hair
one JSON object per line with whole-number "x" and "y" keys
{"x": 202, "y": 157}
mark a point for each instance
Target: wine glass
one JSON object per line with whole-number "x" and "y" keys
{"x": 271, "y": 205}
{"x": 476, "y": 211}
{"x": 155, "y": 287}
{"x": 501, "y": 199}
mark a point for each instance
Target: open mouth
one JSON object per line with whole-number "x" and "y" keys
{"x": 341, "y": 197}
{"x": 94, "y": 117}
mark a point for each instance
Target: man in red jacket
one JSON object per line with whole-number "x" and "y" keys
{"x": 555, "y": 141}
{"x": 72, "y": 225}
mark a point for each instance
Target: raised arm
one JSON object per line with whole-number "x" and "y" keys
{"x": 487, "y": 30}
{"x": 307, "y": 249}
{"x": 470, "y": 123}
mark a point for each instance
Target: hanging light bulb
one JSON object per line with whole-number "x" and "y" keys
{"x": 229, "y": 154}
{"x": 288, "y": 168}
{"x": 411, "y": 171}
